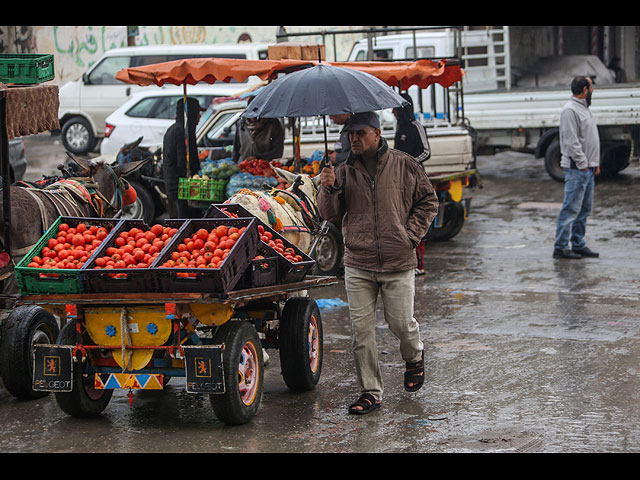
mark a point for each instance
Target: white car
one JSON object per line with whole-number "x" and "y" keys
{"x": 149, "y": 114}
{"x": 86, "y": 102}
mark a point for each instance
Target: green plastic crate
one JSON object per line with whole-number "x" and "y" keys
{"x": 30, "y": 280}
{"x": 26, "y": 68}
{"x": 204, "y": 190}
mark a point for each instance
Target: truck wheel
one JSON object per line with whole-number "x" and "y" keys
{"x": 83, "y": 400}
{"x": 453, "y": 222}
{"x": 552, "y": 161}
{"x": 25, "y": 327}
{"x": 328, "y": 253}
{"x": 143, "y": 208}
{"x": 243, "y": 372}
{"x": 300, "y": 343}
{"x": 77, "y": 136}
{"x": 615, "y": 158}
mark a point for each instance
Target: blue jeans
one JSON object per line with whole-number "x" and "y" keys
{"x": 578, "y": 198}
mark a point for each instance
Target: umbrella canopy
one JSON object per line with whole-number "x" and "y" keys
{"x": 191, "y": 71}
{"x": 323, "y": 90}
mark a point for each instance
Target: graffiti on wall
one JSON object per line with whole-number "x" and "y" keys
{"x": 77, "y": 48}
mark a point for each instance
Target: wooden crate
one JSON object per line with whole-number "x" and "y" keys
{"x": 296, "y": 51}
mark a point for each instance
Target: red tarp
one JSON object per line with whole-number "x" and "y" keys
{"x": 210, "y": 70}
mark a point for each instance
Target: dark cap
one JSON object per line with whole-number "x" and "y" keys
{"x": 364, "y": 119}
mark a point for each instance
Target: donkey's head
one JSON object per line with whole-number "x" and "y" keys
{"x": 108, "y": 180}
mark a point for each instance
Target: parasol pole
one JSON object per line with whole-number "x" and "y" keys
{"x": 325, "y": 160}
{"x": 186, "y": 125}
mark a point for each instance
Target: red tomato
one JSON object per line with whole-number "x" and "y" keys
{"x": 221, "y": 231}
{"x": 77, "y": 239}
{"x": 157, "y": 229}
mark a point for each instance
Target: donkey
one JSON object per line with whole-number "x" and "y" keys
{"x": 291, "y": 212}
{"x": 96, "y": 190}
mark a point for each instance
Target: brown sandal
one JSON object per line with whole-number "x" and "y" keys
{"x": 367, "y": 402}
{"x": 414, "y": 374}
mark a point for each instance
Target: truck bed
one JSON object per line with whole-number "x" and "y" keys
{"x": 540, "y": 108}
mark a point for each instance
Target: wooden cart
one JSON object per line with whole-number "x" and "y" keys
{"x": 139, "y": 341}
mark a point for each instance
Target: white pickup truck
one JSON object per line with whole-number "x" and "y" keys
{"x": 511, "y": 109}
{"x": 527, "y": 118}
{"x": 451, "y": 167}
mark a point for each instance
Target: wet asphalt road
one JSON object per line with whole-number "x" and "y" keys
{"x": 524, "y": 353}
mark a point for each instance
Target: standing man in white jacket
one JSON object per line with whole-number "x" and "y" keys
{"x": 580, "y": 147}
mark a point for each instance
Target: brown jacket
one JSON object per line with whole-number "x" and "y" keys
{"x": 382, "y": 219}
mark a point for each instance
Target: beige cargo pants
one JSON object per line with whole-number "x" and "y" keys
{"x": 397, "y": 292}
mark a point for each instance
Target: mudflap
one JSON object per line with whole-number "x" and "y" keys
{"x": 467, "y": 207}
{"x": 203, "y": 368}
{"x": 439, "y": 220}
{"x": 52, "y": 368}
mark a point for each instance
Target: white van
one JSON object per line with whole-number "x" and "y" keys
{"x": 85, "y": 103}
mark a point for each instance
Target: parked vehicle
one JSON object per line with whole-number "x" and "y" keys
{"x": 85, "y": 103}
{"x": 149, "y": 114}
{"x": 451, "y": 168}
{"x": 514, "y": 109}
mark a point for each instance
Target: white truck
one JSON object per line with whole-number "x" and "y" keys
{"x": 516, "y": 110}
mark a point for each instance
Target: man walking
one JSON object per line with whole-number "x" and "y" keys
{"x": 580, "y": 147}
{"x": 385, "y": 209}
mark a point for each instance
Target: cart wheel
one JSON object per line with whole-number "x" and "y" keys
{"x": 243, "y": 373}
{"x": 300, "y": 343}
{"x": 329, "y": 252}
{"x": 26, "y": 326}
{"x": 83, "y": 400}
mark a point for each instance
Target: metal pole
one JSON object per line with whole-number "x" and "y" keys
{"x": 5, "y": 173}
{"x": 186, "y": 125}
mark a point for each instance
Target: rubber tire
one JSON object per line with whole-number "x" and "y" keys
{"x": 78, "y": 403}
{"x": 228, "y": 406}
{"x": 334, "y": 242}
{"x": 293, "y": 343}
{"x": 552, "y": 161}
{"x": 91, "y": 138}
{"x": 614, "y": 159}
{"x": 453, "y": 222}
{"x": 16, "y": 352}
{"x": 143, "y": 200}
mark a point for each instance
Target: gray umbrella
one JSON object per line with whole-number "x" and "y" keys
{"x": 323, "y": 90}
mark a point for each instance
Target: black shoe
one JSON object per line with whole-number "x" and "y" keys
{"x": 586, "y": 252}
{"x": 565, "y": 253}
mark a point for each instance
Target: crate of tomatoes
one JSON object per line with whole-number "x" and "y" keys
{"x": 208, "y": 255}
{"x": 124, "y": 261}
{"x": 293, "y": 263}
{"x": 53, "y": 265}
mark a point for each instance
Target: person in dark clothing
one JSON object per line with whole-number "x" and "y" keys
{"x": 258, "y": 138}
{"x": 411, "y": 138}
{"x": 174, "y": 152}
